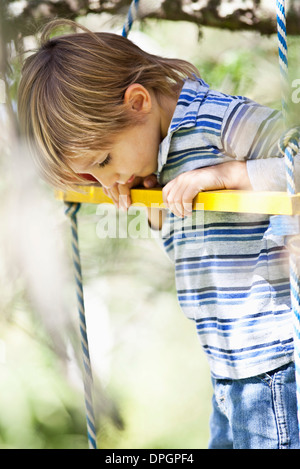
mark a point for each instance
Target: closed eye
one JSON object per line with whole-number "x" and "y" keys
{"x": 105, "y": 162}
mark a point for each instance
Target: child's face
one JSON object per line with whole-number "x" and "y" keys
{"x": 133, "y": 153}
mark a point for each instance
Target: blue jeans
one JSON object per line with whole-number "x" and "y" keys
{"x": 256, "y": 413}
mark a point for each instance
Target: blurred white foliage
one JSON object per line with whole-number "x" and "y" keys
{"x": 32, "y": 245}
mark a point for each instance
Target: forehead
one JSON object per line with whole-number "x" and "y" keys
{"x": 82, "y": 163}
{"x": 82, "y": 159}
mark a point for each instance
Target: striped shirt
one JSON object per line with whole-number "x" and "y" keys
{"x": 232, "y": 273}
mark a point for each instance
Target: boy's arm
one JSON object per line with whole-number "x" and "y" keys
{"x": 270, "y": 174}
{"x": 179, "y": 193}
{"x": 258, "y": 175}
{"x": 249, "y": 136}
{"x": 251, "y": 132}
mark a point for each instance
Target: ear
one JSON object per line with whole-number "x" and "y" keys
{"x": 138, "y": 98}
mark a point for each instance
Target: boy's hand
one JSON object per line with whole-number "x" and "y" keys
{"x": 120, "y": 193}
{"x": 179, "y": 193}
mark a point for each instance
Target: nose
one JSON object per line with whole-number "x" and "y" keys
{"x": 107, "y": 179}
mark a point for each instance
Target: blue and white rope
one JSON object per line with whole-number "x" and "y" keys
{"x": 71, "y": 211}
{"x": 131, "y": 17}
{"x": 290, "y": 147}
{"x": 282, "y": 54}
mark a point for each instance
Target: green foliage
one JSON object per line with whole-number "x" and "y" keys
{"x": 38, "y": 408}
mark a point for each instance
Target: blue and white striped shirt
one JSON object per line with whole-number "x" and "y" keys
{"x": 232, "y": 273}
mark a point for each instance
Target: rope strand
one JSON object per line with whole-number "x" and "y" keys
{"x": 131, "y": 17}
{"x": 71, "y": 211}
{"x": 282, "y": 55}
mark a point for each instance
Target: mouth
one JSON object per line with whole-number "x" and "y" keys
{"x": 131, "y": 179}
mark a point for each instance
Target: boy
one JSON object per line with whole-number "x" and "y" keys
{"x": 95, "y": 105}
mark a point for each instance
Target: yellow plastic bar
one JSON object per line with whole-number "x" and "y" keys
{"x": 272, "y": 203}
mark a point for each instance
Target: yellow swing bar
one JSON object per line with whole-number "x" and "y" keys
{"x": 272, "y": 203}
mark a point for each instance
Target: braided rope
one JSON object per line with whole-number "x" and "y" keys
{"x": 282, "y": 54}
{"x": 289, "y": 146}
{"x": 131, "y": 17}
{"x": 71, "y": 210}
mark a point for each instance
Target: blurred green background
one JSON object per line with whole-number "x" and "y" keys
{"x": 152, "y": 382}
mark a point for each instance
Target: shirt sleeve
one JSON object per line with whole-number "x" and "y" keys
{"x": 270, "y": 174}
{"x": 251, "y": 132}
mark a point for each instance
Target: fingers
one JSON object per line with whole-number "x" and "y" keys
{"x": 178, "y": 196}
{"x": 124, "y": 196}
{"x": 120, "y": 195}
{"x": 113, "y": 193}
{"x": 180, "y": 209}
{"x": 150, "y": 181}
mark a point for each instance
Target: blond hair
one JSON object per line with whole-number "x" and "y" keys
{"x": 71, "y": 94}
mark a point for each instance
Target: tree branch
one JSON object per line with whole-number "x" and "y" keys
{"x": 234, "y": 15}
